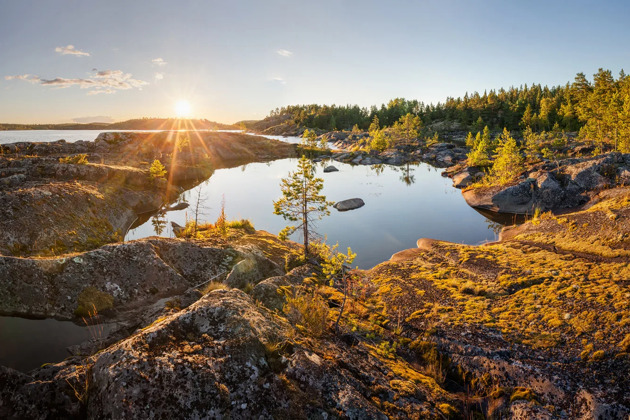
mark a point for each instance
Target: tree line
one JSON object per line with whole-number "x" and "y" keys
{"x": 599, "y": 110}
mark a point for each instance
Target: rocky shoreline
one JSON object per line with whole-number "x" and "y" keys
{"x": 536, "y": 325}
{"x": 107, "y": 192}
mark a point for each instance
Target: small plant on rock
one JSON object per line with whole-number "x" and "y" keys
{"x": 157, "y": 170}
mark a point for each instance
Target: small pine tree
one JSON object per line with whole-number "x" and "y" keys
{"x": 309, "y": 139}
{"x": 479, "y": 155}
{"x": 301, "y": 201}
{"x": 470, "y": 141}
{"x": 374, "y": 126}
{"x": 157, "y": 170}
{"x": 323, "y": 144}
{"x": 486, "y": 136}
{"x": 532, "y": 146}
{"x": 221, "y": 223}
{"x": 508, "y": 162}
{"x": 434, "y": 139}
{"x": 379, "y": 141}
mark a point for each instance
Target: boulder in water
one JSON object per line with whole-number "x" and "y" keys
{"x": 350, "y": 204}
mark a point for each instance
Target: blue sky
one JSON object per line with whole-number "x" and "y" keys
{"x": 235, "y": 60}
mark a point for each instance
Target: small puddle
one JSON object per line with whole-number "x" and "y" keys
{"x": 26, "y": 344}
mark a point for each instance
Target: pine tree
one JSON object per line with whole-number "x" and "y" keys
{"x": 309, "y": 139}
{"x": 301, "y": 201}
{"x": 508, "y": 162}
{"x": 379, "y": 141}
{"x": 157, "y": 170}
{"x": 486, "y": 136}
{"x": 407, "y": 128}
{"x": 532, "y": 147}
{"x": 470, "y": 141}
{"x": 374, "y": 126}
{"x": 478, "y": 156}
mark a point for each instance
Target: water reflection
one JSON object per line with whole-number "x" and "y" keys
{"x": 395, "y": 215}
{"x": 158, "y": 221}
{"x": 26, "y": 344}
{"x": 406, "y": 177}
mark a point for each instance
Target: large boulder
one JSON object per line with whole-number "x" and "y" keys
{"x": 350, "y": 204}
{"x": 586, "y": 174}
{"x": 208, "y": 361}
{"x": 123, "y": 274}
{"x": 330, "y": 168}
{"x": 463, "y": 179}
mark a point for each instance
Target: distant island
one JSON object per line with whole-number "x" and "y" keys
{"x": 133, "y": 124}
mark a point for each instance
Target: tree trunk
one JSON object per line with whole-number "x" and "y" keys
{"x": 305, "y": 218}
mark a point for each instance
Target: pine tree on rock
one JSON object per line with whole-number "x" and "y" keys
{"x": 301, "y": 201}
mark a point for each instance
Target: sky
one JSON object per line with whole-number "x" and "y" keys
{"x": 84, "y": 60}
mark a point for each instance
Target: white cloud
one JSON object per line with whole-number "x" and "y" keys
{"x": 284, "y": 53}
{"x": 26, "y": 77}
{"x": 279, "y": 80}
{"x": 158, "y": 76}
{"x": 71, "y": 50}
{"x": 159, "y": 62}
{"x": 105, "y": 81}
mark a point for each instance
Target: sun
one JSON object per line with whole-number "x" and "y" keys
{"x": 182, "y": 108}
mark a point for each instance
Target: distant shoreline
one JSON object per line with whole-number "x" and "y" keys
{"x": 134, "y": 124}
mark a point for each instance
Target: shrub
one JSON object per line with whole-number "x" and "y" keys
{"x": 79, "y": 159}
{"x": 308, "y": 311}
{"x": 92, "y": 300}
{"x": 213, "y": 285}
{"x": 243, "y": 224}
{"x": 379, "y": 141}
{"x": 221, "y": 224}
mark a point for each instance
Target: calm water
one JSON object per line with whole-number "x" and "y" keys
{"x": 70, "y": 136}
{"x": 395, "y": 214}
{"x": 26, "y": 344}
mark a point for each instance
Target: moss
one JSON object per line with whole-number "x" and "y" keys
{"x": 598, "y": 355}
{"x": 448, "y": 410}
{"x": 92, "y": 301}
{"x": 521, "y": 393}
{"x": 624, "y": 344}
{"x": 78, "y": 159}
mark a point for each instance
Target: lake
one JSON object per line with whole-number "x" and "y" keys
{"x": 396, "y": 213}
{"x": 26, "y": 344}
{"x": 14, "y": 136}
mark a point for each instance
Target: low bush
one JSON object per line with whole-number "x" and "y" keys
{"x": 80, "y": 159}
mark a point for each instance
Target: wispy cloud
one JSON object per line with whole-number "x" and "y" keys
{"x": 159, "y": 62}
{"x": 105, "y": 81}
{"x": 284, "y": 53}
{"x": 158, "y": 76}
{"x": 26, "y": 77}
{"x": 71, "y": 50}
{"x": 279, "y": 80}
